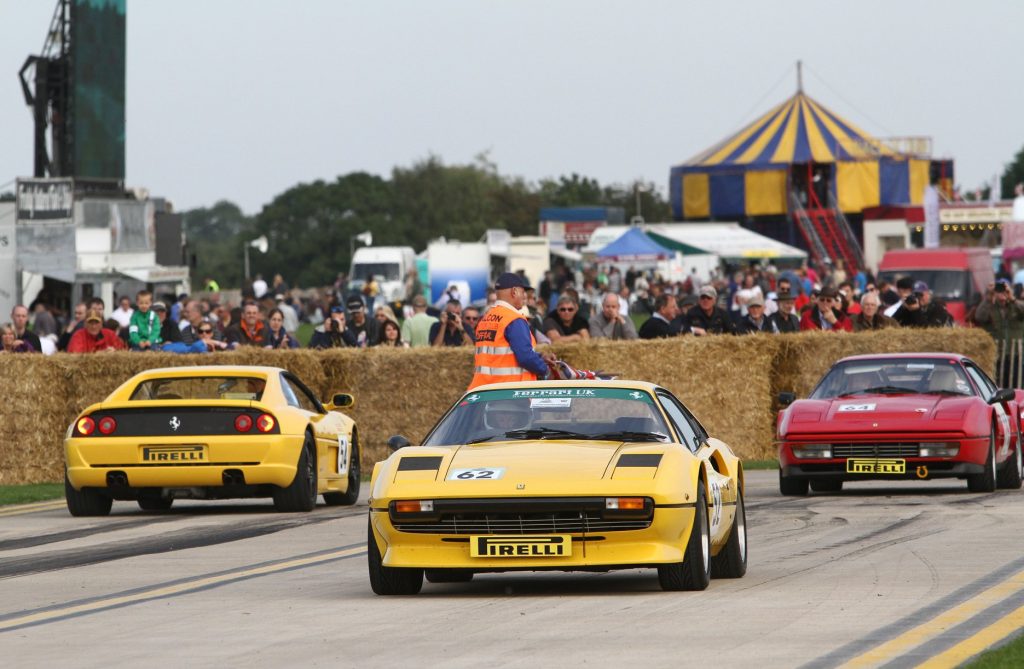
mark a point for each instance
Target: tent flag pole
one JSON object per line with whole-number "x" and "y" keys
{"x": 799, "y": 76}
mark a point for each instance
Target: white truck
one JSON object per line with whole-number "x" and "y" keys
{"x": 530, "y": 254}
{"x": 389, "y": 264}
{"x": 467, "y": 265}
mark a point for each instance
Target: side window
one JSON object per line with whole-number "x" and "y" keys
{"x": 987, "y": 387}
{"x": 687, "y": 435}
{"x": 289, "y": 393}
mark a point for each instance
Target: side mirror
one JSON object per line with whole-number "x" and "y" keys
{"x": 1003, "y": 395}
{"x": 786, "y": 398}
{"x": 342, "y": 401}
{"x": 396, "y": 442}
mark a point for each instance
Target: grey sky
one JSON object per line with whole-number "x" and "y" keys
{"x": 240, "y": 100}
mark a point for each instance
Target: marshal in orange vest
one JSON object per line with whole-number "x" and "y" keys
{"x": 494, "y": 361}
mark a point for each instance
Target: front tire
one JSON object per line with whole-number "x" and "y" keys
{"x": 792, "y": 486}
{"x": 731, "y": 561}
{"x": 694, "y": 572}
{"x": 389, "y": 580}
{"x": 985, "y": 481}
{"x": 85, "y": 502}
{"x": 300, "y": 494}
{"x": 355, "y": 478}
{"x": 1012, "y": 473}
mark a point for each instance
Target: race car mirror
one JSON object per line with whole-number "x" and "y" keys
{"x": 342, "y": 401}
{"x": 785, "y": 399}
{"x": 396, "y": 442}
{"x": 1002, "y": 395}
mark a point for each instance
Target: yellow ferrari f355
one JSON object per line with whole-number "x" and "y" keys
{"x": 584, "y": 475}
{"x": 212, "y": 432}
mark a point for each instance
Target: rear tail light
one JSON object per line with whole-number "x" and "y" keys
{"x": 85, "y": 426}
{"x": 265, "y": 423}
{"x": 243, "y": 423}
{"x": 107, "y": 425}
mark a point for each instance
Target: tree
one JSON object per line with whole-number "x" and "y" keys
{"x": 1013, "y": 175}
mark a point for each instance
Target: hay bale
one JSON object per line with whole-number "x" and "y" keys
{"x": 730, "y": 383}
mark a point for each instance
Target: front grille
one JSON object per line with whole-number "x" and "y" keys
{"x": 530, "y": 515}
{"x": 522, "y": 523}
{"x": 894, "y": 450}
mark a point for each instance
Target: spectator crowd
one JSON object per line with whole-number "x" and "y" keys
{"x": 566, "y": 306}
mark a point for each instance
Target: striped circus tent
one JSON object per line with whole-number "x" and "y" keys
{"x": 752, "y": 172}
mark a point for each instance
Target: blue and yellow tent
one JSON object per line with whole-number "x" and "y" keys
{"x": 749, "y": 174}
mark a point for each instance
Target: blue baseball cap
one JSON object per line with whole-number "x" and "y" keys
{"x": 510, "y": 280}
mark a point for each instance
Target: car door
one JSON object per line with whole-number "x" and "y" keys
{"x": 1005, "y": 412}
{"x": 332, "y": 440}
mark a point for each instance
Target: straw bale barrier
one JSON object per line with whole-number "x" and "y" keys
{"x": 730, "y": 383}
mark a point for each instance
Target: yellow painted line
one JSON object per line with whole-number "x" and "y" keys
{"x": 939, "y": 624}
{"x": 164, "y": 591}
{"x": 981, "y": 641}
{"x": 21, "y": 509}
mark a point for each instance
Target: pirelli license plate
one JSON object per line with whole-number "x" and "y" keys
{"x": 876, "y": 466}
{"x": 174, "y": 454}
{"x": 520, "y": 546}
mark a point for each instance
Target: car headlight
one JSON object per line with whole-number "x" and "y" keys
{"x": 939, "y": 449}
{"x": 804, "y": 451}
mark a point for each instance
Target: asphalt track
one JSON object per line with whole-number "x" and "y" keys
{"x": 879, "y": 575}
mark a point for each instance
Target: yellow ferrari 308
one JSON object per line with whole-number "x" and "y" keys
{"x": 211, "y": 433}
{"x": 576, "y": 475}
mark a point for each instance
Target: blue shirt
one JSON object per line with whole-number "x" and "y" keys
{"x": 518, "y": 335}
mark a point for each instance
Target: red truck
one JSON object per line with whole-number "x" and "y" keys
{"x": 959, "y": 276}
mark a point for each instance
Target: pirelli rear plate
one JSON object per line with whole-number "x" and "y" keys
{"x": 174, "y": 454}
{"x": 876, "y": 466}
{"x": 519, "y": 546}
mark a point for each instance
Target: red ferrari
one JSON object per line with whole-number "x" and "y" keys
{"x": 900, "y": 417}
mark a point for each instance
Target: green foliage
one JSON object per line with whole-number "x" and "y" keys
{"x": 1013, "y": 175}
{"x": 7, "y": 196}
{"x": 310, "y": 226}
{"x": 1009, "y": 655}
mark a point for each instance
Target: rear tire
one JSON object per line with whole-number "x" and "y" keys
{"x": 389, "y": 580}
{"x": 355, "y": 478}
{"x": 985, "y": 481}
{"x": 827, "y": 485}
{"x": 1013, "y": 469}
{"x": 86, "y": 502}
{"x": 731, "y": 561}
{"x": 448, "y": 575}
{"x": 694, "y": 572}
{"x": 792, "y": 486}
{"x": 300, "y": 494}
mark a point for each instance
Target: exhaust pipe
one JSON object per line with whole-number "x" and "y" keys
{"x": 117, "y": 480}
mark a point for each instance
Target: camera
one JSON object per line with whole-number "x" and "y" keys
{"x": 1000, "y": 287}
{"x": 911, "y": 299}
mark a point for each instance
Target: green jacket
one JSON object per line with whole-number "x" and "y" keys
{"x": 144, "y": 327}
{"x": 1002, "y": 322}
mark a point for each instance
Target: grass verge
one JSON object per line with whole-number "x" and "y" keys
{"x": 761, "y": 464}
{"x": 1010, "y": 655}
{"x": 32, "y": 492}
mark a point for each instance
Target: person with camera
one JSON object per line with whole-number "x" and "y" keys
{"x": 919, "y": 310}
{"x": 333, "y": 333}
{"x": 450, "y": 331}
{"x": 1002, "y": 316}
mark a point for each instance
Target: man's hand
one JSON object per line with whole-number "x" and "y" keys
{"x": 829, "y": 315}
{"x": 457, "y": 321}
{"x": 549, "y": 358}
{"x": 698, "y": 331}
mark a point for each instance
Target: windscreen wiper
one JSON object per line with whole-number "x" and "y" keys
{"x": 944, "y": 391}
{"x": 628, "y": 435}
{"x": 881, "y": 390}
{"x": 544, "y": 433}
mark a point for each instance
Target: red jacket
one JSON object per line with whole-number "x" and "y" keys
{"x": 811, "y": 320}
{"x": 83, "y": 342}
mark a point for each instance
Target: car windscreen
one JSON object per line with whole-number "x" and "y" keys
{"x": 618, "y": 414}
{"x": 200, "y": 388}
{"x": 893, "y": 377}
{"x": 947, "y": 285}
{"x": 387, "y": 271}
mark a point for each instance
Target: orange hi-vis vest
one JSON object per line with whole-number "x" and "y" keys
{"x": 494, "y": 361}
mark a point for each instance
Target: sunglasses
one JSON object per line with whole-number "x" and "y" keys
{"x": 205, "y": 331}
{"x": 470, "y": 318}
{"x": 567, "y": 309}
{"x": 706, "y": 297}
